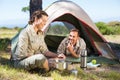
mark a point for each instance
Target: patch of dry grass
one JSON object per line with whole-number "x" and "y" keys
{"x": 7, "y": 33}
{"x": 112, "y": 38}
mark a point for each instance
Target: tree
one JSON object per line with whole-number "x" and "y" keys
{"x": 114, "y": 23}
{"x": 25, "y": 9}
{"x": 102, "y": 27}
{"x": 105, "y": 29}
{"x": 35, "y": 5}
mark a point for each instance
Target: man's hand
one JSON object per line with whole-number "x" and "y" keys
{"x": 70, "y": 47}
{"x": 61, "y": 56}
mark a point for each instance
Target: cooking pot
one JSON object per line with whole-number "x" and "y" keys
{"x": 62, "y": 64}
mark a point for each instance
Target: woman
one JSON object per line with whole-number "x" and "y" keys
{"x": 31, "y": 50}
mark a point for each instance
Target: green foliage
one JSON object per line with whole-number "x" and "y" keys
{"x": 112, "y": 28}
{"x": 18, "y": 28}
{"x": 58, "y": 29}
{"x": 5, "y": 35}
{"x": 3, "y": 27}
{"x": 4, "y": 43}
{"x": 114, "y": 23}
{"x": 25, "y": 9}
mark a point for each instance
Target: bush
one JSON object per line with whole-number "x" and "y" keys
{"x": 58, "y": 29}
{"x": 4, "y": 43}
{"x": 3, "y": 27}
{"x": 106, "y": 29}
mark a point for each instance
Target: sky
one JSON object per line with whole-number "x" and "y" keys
{"x": 98, "y": 10}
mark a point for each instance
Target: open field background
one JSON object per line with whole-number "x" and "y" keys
{"x": 105, "y": 72}
{"x": 112, "y": 38}
{"x": 8, "y": 33}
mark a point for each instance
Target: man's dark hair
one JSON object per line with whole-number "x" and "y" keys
{"x": 75, "y": 30}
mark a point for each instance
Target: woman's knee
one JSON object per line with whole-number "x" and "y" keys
{"x": 45, "y": 65}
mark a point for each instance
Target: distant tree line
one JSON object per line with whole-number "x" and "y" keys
{"x": 58, "y": 30}
{"x": 15, "y": 28}
{"x": 111, "y": 28}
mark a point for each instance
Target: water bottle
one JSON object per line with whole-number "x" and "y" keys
{"x": 83, "y": 59}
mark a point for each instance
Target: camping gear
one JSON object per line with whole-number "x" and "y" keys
{"x": 62, "y": 64}
{"x": 90, "y": 65}
{"x": 83, "y": 63}
{"x": 74, "y": 72}
{"x": 93, "y": 64}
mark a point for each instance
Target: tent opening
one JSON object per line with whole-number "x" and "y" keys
{"x": 60, "y": 28}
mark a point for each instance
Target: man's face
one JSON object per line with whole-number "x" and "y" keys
{"x": 73, "y": 36}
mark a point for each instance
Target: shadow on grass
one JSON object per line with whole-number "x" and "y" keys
{"x": 5, "y": 44}
{"x": 5, "y": 61}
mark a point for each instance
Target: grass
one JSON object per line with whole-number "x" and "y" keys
{"x": 112, "y": 38}
{"x": 7, "y": 72}
{"x": 7, "y": 33}
{"x": 105, "y": 72}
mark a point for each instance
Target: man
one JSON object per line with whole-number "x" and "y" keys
{"x": 72, "y": 45}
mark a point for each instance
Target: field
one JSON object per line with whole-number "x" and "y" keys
{"x": 7, "y": 33}
{"x": 105, "y": 72}
{"x": 112, "y": 38}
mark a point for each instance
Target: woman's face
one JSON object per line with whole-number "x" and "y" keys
{"x": 40, "y": 23}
